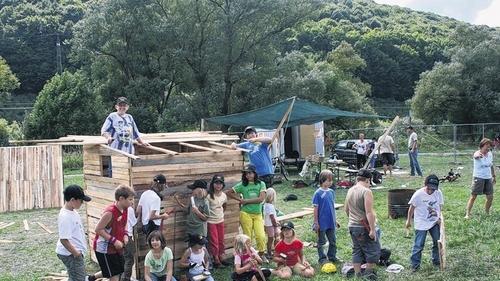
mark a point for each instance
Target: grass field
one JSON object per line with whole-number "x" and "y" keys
{"x": 473, "y": 246}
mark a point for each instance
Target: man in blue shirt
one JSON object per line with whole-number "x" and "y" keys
{"x": 258, "y": 154}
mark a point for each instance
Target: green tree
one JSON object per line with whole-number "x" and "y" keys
{"x": 8, "y": 81}
{"x": 32, "y": 32}
{"x": 66, "y": 105}
{"x": 466, "y": 90}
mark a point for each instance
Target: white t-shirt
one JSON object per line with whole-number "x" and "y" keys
{"x": 385, "y": 146}
{"x": 482, "y": 166}
{"x": 70, "y": 227}
{"x": 149, "y": 201}
{"x": 427, "y": 208}
{"x": 268, "y": 211}
{"x": 215, "y": 209}
{"x": 361, "y": 147}
{"x": 413, "y": 138}
{"x": 131, "y": 221}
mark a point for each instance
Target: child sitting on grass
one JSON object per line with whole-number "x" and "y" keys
{"x": 158, "y": 264}
{"x": 289, "y": 255}
{"x": 247, "y": 261}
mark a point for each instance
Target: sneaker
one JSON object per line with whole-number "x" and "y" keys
{"x": 414, "y": 269}
{"x": 336, "y": 260}
{"x": 372, "y": 276}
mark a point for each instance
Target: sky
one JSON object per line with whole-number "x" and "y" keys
{"x": 481, "y": 12}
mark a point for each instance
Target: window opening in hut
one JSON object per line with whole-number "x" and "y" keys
{"x": 106, "y": 166}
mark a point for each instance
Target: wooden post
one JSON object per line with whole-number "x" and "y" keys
{"x": 396, "y": 119}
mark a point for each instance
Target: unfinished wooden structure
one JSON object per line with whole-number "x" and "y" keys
{"x": 30, "y": 177}
{"x": 181, "y": 157}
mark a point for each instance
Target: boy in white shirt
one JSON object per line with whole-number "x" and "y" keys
{"x": 72, "y": 246}
{"x": 425, "y": 209}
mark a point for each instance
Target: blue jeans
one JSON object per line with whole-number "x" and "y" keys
{"x": 416, "y": 255}
{"x": 372, "y": 161}
{"x": 414, "y": 166}
{"x": 323, "y": 235}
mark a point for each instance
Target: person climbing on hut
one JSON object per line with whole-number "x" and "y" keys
{"x": 120, "y": 129}
{"x": 258, "y": 154}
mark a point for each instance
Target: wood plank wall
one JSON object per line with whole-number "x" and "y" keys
{"x": 30, "y": 177}
{"x": 180, "y": 170}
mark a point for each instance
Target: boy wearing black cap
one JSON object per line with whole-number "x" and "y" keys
{"x": 425, "y": 209}
{"x": 71, "y": 246}
{"x": 258, "y": 154}
{"x": 120, "y": 129}
{"x": 197, "y": 210}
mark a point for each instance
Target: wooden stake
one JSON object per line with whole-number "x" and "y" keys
{"x": 44, "y": 227}
{"x": 26, "y": 225}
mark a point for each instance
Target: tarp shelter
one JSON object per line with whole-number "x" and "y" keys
{"x": 303, "y": 112}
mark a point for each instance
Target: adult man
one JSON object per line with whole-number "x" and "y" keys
{"x": 359, "y": 208}
{"x": 386, "y": 152}
{"x": 258, "y": 154}
{"x": 361, "y": 147}
{"x": 484, "y": 176}
{"x": 413, "y": 151}
{"x": 425, "y": 209}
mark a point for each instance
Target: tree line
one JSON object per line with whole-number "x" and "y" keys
{"x": 180, "y": 61}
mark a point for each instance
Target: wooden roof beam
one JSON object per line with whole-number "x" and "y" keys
{"x": 119, "y": 151}
{"x": 159, "y": 149}
{"x": 199, "y": 147}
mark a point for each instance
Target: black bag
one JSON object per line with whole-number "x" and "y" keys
{"x": 376, "y": 177}
{"x": 291, "y": 197}
{"x": 385, "y": 254}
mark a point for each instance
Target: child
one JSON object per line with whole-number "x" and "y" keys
{"x": 129, "y": 250}
{"x": 71, "y": 246}
{"x": 159, "y": 261}
{"x": 197, "y": 210}
{"x": 324, "y": 217}
{"x": 253, "y": 192}
{"x": 215, "y": 223}
{"x": 247, "y": 261}
{"x": 196, "y": 259}
{"x": 270, "y": 223}
{"x": 111, "y": 234}
{"x": 289, "y": 256}
{"x": 148, "y": 208}
{"x": 120, "y": 129}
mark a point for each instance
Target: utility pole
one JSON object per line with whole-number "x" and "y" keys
{"x": 58, "y": 54}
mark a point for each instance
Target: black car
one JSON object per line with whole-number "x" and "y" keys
{"x": 344, "y": 151}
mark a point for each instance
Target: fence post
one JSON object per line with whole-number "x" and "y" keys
{"x": 483, "y": 131}
{"x": 455, "y": 143}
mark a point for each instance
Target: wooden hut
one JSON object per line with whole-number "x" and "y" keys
{"x": 181, "y": 157}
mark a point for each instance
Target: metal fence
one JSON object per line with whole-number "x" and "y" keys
{"x": 454, "y": 139}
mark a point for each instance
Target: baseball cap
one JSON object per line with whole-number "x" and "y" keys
{"x": 250, "y": 129}
{"x": 432, "y": 181}
{"x": 75, "y": 191}
{"x": 195, "y": 239}
{"x": 122, "y": 100}
{"x": 198, "y": 184}
{"x": 160, "y": 178}
{"x": 249, "y": 168}
{"x": 218, "y": 178}
{"x": 288, "y": 225}
{"x": 365, "y": 173}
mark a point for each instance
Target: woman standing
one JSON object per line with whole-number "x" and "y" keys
{"x": 483, "y": 176}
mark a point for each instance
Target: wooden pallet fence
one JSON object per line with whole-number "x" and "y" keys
{"x": 30, "y": 177}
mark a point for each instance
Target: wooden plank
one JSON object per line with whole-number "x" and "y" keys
{"x": 294, "y": 215}
{"x": 44, "y": 227}
{"x": 155, "y": 148}
{"x": 199, "y": 147}
{"x": 442, "y": 245}
{"x": 7, "y": 225}
{"x": 227, "y": 146}
{"x": 375, "y": 150}
{"x": 119, "y": 151}
{"x": 26, "y": 225}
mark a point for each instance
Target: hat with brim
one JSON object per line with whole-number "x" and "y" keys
{"x": 365, "y": 173}
{"x": 432, "y": 182}
{"x": 198, "y": 184}
{"x": 122, "y": 100}
{"x": 76, "y": 192}
{"x": 197, "y": 240}
{"x": 287, "y": 225}
{"x": 249, "y": 168}
{"x": 218, "y": 179}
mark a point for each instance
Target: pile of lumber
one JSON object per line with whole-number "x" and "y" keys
{"x": 61, "y": 276}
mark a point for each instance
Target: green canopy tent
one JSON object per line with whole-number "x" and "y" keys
{"x": 302, "y": 113}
